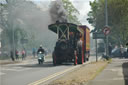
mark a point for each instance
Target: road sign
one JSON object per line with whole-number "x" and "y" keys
{"x": 98, "y": 35}
{"x": 106, "y": 30}
{"x": 23, "y": 41}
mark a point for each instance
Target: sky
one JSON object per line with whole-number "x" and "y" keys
{"x": 82, "y": 6}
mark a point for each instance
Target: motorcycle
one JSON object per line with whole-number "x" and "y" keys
{"x": 40, "y": 58}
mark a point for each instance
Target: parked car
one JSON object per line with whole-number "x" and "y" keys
{"x": 116, "y": 52}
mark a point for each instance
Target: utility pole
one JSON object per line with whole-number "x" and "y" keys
{"x": 106, "y": 13}
{"x": 13, "y": 40}
{"x": 12, "y": 26}
{"x": 106, "y": 24}
{"x": 96, "y": 49}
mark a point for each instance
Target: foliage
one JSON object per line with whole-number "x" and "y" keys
{"x": 72, "y": 12}
{"x": 27, "y": 22}
{"x": 8, "y": 22}
{"x": 117, "y": 19}
{"x": 14, "y": 19}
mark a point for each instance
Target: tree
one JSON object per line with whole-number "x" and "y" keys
{"x": 72, "y": 12}
{"x": 8, "y": 22}
{"x": 117, "y": 16}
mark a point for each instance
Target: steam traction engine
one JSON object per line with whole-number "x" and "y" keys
{"x": 73, "y": 44}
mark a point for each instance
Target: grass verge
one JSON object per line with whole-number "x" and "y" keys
{"x": 81, "y": 75}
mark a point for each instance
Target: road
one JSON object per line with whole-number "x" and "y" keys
{"x": 29, "y": 72}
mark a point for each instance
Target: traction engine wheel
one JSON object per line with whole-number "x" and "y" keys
{"x": 54, "y": 59}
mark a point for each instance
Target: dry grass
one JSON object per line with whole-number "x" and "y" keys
{"x": 82, "y": 74}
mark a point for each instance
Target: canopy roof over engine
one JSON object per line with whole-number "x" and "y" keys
{"x": 63, "y": 26}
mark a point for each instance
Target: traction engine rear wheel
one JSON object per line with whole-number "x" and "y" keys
{"x": 54, "y": 59}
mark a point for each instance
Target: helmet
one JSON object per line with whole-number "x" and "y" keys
{"x": 40, "y": 46}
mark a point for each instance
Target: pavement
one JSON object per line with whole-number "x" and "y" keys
{"x": 116, "y": 73}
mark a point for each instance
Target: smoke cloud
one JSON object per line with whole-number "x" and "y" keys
{"x": 57, "y": 11}
{"x": 33, "y": 19}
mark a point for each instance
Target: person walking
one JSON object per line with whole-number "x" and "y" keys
{"x": 23, "y": 54}
{"x": 127, "y": 47}
{"x": 17, "y": 54}
{"x": 121, "y": 51}
{"x": 125, "y": 51}
{"x": 11, "y": 55}
{"x": 110, "y": 49}
{"x": 34, "y": 52}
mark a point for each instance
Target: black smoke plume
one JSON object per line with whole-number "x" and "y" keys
{"x": 57, "y": 11}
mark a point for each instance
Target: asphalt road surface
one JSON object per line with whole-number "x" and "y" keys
{"x": 30, "y": 73}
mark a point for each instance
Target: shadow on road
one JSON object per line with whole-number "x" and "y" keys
{"x": 45, "y": 65}
{"x": 125, "y": 72}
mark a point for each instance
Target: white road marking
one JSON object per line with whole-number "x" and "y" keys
{"x": 17, "y": 69}
{"x": 38, "y": 82}
{"x": 23, "y": 62}
{"x": 25, "y": 69}
{"x": 122, "y": 78}
{"x": 8, "y": 69}
{"x": 1, "y": 73}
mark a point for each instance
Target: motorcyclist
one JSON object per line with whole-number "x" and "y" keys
{"x": 40, "y": 54}
{"x": 40, "y": 50}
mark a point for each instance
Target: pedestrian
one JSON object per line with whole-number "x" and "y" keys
{"x": 125, "y": 51}
{"x": 79, "y": 44}
{"x": 110, "y": 49}
{"x": 23, "y": 54}
{"x": 11, "y": 55}
{"x": 127, "y": 47}
{"x": 17, "y": 54}
{"x": 34, "y": 52}
{"x": 121, "y": 51}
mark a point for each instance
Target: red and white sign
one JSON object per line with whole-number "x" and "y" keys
{"x": 106, "y": 30}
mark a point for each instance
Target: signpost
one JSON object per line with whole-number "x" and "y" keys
{"x": 102, "y": 35}
{"x": 96, "y": 36}
{"x": 23, "y": 41}
{"x": 106, "y": 31}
